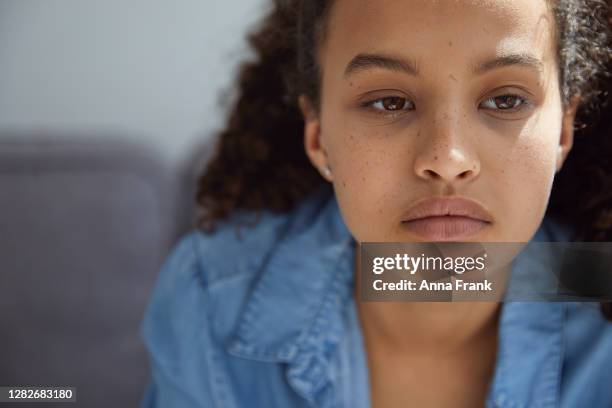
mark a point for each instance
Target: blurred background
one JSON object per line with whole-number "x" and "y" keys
{"x": 149, "y": 69}
{"x": 107, "y": 111}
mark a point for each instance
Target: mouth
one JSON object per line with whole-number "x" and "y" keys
{"x": 448, "y": 227}
{"x": 446, "y": 218}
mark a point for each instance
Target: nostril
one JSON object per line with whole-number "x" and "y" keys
{"x": 431, "y": 173}
{"x": 465, "y": 174}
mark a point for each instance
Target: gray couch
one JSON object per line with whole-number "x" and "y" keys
{"x": 85, "y": 223}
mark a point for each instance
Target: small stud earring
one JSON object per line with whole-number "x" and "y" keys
{"x": 327, "y": 171}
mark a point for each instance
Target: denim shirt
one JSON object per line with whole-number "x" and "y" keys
{"x": 264, "y": 317}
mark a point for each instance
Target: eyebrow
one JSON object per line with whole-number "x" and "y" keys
{"x": 521, "y": 59}
{"x": 363, "y": 62}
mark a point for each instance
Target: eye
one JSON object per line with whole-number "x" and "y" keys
{"x": 391, "y": 104}
{"x": 505, "y": 103}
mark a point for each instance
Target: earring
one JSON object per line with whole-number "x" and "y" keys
{"x": 327, "y": 171}
{"x": 559, "y": 158}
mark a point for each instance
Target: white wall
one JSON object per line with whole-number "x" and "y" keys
{"x": 150, "y": 69}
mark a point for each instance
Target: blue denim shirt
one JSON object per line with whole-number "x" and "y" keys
{"x": 264, "y": 317}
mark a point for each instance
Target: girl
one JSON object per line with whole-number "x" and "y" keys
{"x": 357, "y": 115}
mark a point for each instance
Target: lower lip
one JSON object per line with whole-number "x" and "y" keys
{"x": 445, "y": 227}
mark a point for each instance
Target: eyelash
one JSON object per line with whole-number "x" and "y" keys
{"x": 523, "y": 103}
{"x": 371, "y": 103}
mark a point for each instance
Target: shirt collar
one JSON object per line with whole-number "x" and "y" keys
{"x": 531, "y": 343}
{"x": 529, "y": 355}
{"x": 294, "y": 315}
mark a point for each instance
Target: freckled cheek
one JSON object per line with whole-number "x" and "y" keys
{"x": 365, "y": 182}
{"x": 367, "y": 207}
{"x": 363, "y": 177}
{"x": 358, "y": 162}
{"x": 536, "y": 160}
{"x": 528, "y": 176}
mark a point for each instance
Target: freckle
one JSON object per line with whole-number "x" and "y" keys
{"x": 343, "y": 184}
{"x": 450, "y": 43}
{"x": 435, "y": 157}
{"x": 362, "y": 178}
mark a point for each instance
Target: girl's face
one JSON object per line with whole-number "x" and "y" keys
{"x": 437, "y": 98}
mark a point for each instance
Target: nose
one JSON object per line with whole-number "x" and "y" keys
{"x": 447, "y": 152}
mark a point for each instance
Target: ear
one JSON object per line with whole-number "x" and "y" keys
{"x": 312, "y": 138}
{"x": 566, "y": 140}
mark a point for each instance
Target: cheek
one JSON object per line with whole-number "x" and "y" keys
{"x": 529, "y": 170}
{"x": 365, "y": 178}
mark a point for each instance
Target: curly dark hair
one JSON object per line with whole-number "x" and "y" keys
{"x": 260, "y": 163}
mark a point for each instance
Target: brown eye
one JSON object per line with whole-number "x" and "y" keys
{"x": 392, "y": 103}
{"x": 504, "y": 102}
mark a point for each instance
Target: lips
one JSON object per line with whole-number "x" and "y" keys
{"x": 446, "y": 218}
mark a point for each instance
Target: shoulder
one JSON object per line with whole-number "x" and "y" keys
{"x": 202, "y": 266}
{"x": 209, "y": 275}
{"x": 200, "y": 292}
{"x": 206, "y": 278}
{"x": 239, "y": 245}
{"x": 588, "y": 357}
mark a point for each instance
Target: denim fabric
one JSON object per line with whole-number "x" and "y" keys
{"x": 264, "y": 317}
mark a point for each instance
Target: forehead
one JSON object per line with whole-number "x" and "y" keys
{"x": 433, "y": 30}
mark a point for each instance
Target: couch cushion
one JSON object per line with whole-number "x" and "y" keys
{"x": 85, "y": 224}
